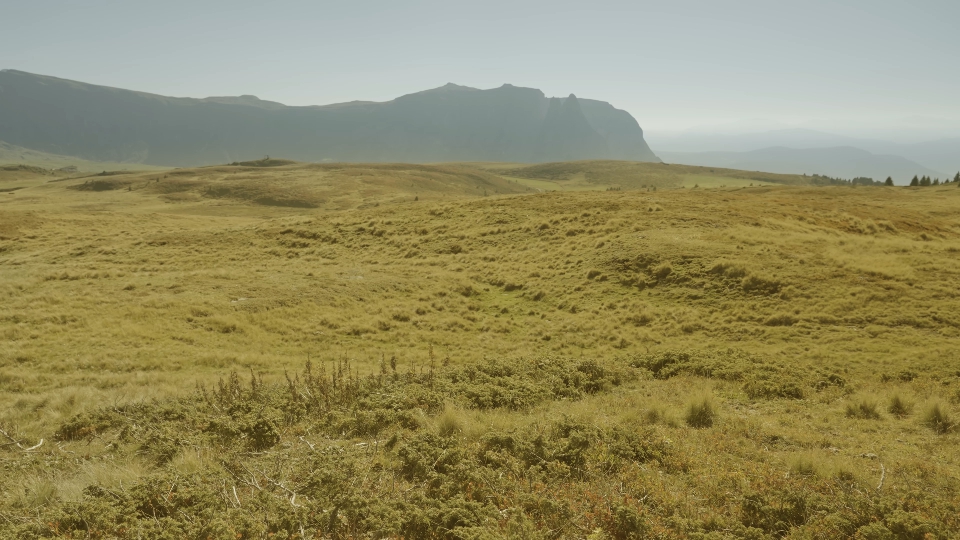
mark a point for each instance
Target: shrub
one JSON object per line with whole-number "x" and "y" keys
{"x": 772, "y": 386}
{"x": 700, "y": 413}
{"x": 937, "y": 418}
{"x": 466, "y": 290}
{"x": 762, "y": 379}
{"x": 907, "y": 375}
{"x": 628, "y": 523}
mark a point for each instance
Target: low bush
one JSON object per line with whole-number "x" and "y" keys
{"x": 761, "y": 378}
{"x": 329, "y": 453}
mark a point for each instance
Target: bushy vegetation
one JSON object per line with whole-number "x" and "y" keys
{"x": 760, "y": 378}
{"x": 331, "y": 453}
{"x": 726, "y": 362}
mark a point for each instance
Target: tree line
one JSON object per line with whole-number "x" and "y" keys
{"x": 926, "y": 181}
{"x": 821, "y": 180}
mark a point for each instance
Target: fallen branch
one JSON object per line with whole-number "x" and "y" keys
{"x": 34, "y": 447}
{"x": 308, "y": 443}
{"x": 293, "y": 495}
{"x": 18, "y": 444}
{"x": 883, "y": 474}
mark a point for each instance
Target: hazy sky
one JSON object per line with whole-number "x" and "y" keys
{"x": 836, "y": 64}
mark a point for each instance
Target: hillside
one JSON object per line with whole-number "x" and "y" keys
{"x": 267, "y": 186}
{"x": 16, "y": 155}
{"x": 450, "y": 123}
{"x": 183, "y": 356}
{"x": 587, "y": 175}
{"x": 277, "y": 185}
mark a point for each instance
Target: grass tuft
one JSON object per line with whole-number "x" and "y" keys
{"x": 865, "y": 409}
{"x": 803, "y": 466}
{"x": 899, "y": 406}
{"x": 701, "y": 413}
{"x": 449, "y": 423}
{"x": 937, "y": 417}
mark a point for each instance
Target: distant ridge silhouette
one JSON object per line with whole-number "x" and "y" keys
{"x": 449, "y": 123}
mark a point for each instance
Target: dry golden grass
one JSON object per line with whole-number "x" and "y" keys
{"x": 588, "y": 175}
{"x": 110, "y": 295}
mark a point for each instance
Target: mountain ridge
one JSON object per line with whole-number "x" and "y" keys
{"x": 448, "y": 123}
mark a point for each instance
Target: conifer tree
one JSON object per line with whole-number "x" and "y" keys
{"x": 888, "y": 182}
{"x": 915, "y": 181}
{"x": 956, "y": 178}
{"x": 925, "y": 181}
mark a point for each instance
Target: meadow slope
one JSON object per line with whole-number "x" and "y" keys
{"x": 476, "y": 351}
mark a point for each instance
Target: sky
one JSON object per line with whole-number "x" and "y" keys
{"x": 849, "y": 66}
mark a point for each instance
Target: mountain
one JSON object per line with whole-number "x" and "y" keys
{"x": 939, "y": 156}
{"x": 450, "y": 123}
{"x": 942, "y": 154}
{"x": 842, "y": 161}
{"x": 695, "y": 141}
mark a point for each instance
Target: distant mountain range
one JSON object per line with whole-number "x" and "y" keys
{"x": 838, "y": 162}
{"x": 810, "y": 151}
{"x": 450, "y": 123}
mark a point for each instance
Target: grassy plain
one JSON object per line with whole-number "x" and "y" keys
{"x": 775, "y": 361}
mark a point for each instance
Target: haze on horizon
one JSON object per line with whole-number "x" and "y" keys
{"x": 855, "y": 66}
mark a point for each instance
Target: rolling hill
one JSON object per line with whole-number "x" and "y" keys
{"x": 17, "y": 155}
{"x": 195, "y": 353}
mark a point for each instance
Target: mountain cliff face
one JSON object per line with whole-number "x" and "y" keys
{"x": 450, "y": 123}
